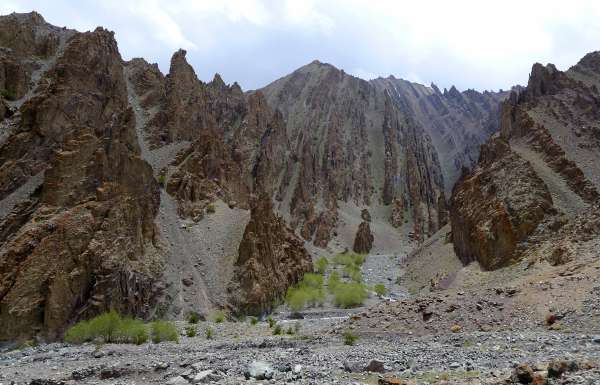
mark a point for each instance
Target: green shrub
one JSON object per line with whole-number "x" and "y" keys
{"x": 162, "y": 180}
{"x": 349, "y": 259}
{"x": 110, "y": 327}
{"x": 380, "y": 289}
{"x": 131, "y": 331}
{"x": 348, "y": 295}
{"x": 349, "y": 338}
{"x": 290, "y": 331}
{"x": 277, "y": 330}
{"x": 163, "y": 331}
{"x": 210, "y": 208}
{"x": 271, "y": 321}
{"x": 218, "y": 316}
{"x": 322, "y": 264}
{"x": 353, "y": 272}
{"x": 309, "y": 291}
{"x": 193, "y": 318}
{"x": 253, "y": 320}
{"x": 209, "y": 333}
{"x": 191, "y": 331}
{"x": 333, "y": 281}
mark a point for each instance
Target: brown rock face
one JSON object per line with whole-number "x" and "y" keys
{"x": 536, "y": 184}
{"x": 363, "y": 242}
{"x": 74, "y": 242}
{"x": 271, "y": 258}
{"x": 496, "y": 206}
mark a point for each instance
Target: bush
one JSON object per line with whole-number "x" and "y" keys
{"x": 289, "y": 331}
{"x": 210, "y": 208}
{"x": 380, "y": 289}
{"x": 350, "y": 259}
{"x": 193, "y": 318}
{"x": 277, "y": 330}
{"x": 209, "y": 333}
{"x": 308, "y": 291}
{"x": 191, "y": 331}
{"x": 163, "y": 331}
{"x": 349, "y": 338}
{"x": 271, "y": 321}
{"x": 253, "y": 320}
{"x": 334, "y": 280}
{"x": 353, "y": 272}
{"x": 218, "y": 316}
{"x": 348, "y": 295}
{"x": 162, "y": 180}
{"x": 322, "y": 264}
{"x": 110, "y": 327}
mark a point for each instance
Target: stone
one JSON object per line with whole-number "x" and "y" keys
{"x": 523, "y": 374}
{"x": 203, "y": 376}
{"x": 556, "y": 368}
{"x": 259, "y": 370}
{"x": 375, "y": 366}
{"x": 454, "y": 365}
{"x": 363, "y": 242}
{"x": 178, "y": 380}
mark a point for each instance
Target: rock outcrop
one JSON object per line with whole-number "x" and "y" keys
{"x": 271, "y": 258}
{"x": 537, "y": 181}
{"x": 79, "y": 202}
{"x": 363, "y": 242}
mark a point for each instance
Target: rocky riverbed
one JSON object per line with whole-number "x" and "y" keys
{"x": 240, "y": 352}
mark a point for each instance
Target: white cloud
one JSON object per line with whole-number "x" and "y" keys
{"x": 470, "y": 43}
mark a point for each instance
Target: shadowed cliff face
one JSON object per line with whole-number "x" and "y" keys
{"x": 78, "y": 207}
{"x": 535, "y": 187}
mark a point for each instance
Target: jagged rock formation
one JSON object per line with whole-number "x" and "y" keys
{"x": 536, "y": 184}
{"x": 78, "y": 202}
{"x": 271, "y": 258}
{"x": 363, "y": 242}
{"x": 376, "y": 143}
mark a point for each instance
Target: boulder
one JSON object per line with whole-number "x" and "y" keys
{"x": 363, "y": 242}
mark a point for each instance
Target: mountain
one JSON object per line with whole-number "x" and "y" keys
{"x": 388, "y": 145}
{"x": 160, "y": 195}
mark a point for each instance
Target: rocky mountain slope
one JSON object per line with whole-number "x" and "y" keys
{"x": 376, "y": 144}
{"x": 86, "y": 140}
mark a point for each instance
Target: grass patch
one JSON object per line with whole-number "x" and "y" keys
{"x": 218, "y": 316}
{"x": 333, "y": 281}
{"x": 209, "y": 333}
{"x": 271, "y": 321}
{"x": 277, "y": 330}
{"x": 193, "y": 318}
{"x": 322, "y": 264}
{"x": 348, "y": 295}
{"x": 253, "y": 320}
{"x": 191, "y": 331}
{"x": 350, "y": 259}
{"x": 163, "y": 331}
{"x": 162, "y": 180}
{"x": 380, "y": 289}
{"x": 308, "y": 292}
{"x": 110, "y": 327}
{"x": 349, "y": 338}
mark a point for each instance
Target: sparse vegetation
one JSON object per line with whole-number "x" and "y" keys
{"x": 455, "y": 328}
{"x": 350, "y": 259}
{"x": 163, "y": 331}
{"x": 290, "y": 331}
{"x": 333, "y": 281}
{"x": 348, "y": 295}
{"x": 193, "y": 318}
{"x": 253, "y": 320}
{"x": 161, "y": 180}
{"x": 271, "y": 321}
{"x": 322, "y": 264}
{"x": 209, "y": 333}
{"x": 110, "y": 327}
{"x": 349, "y": 338}
{"x": 191, "y": 331}
{"x": 218, "y": 316}
{"x": 380, "y": 289}
{"x": 309, "y": 292}
{"x": 277, "y": 329}
{"x": 210, "y": 209}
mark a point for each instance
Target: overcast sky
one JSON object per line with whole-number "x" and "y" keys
{"x": 472, "y": 44}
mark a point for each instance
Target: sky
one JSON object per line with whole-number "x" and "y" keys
{"x": 480, "y": 44}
